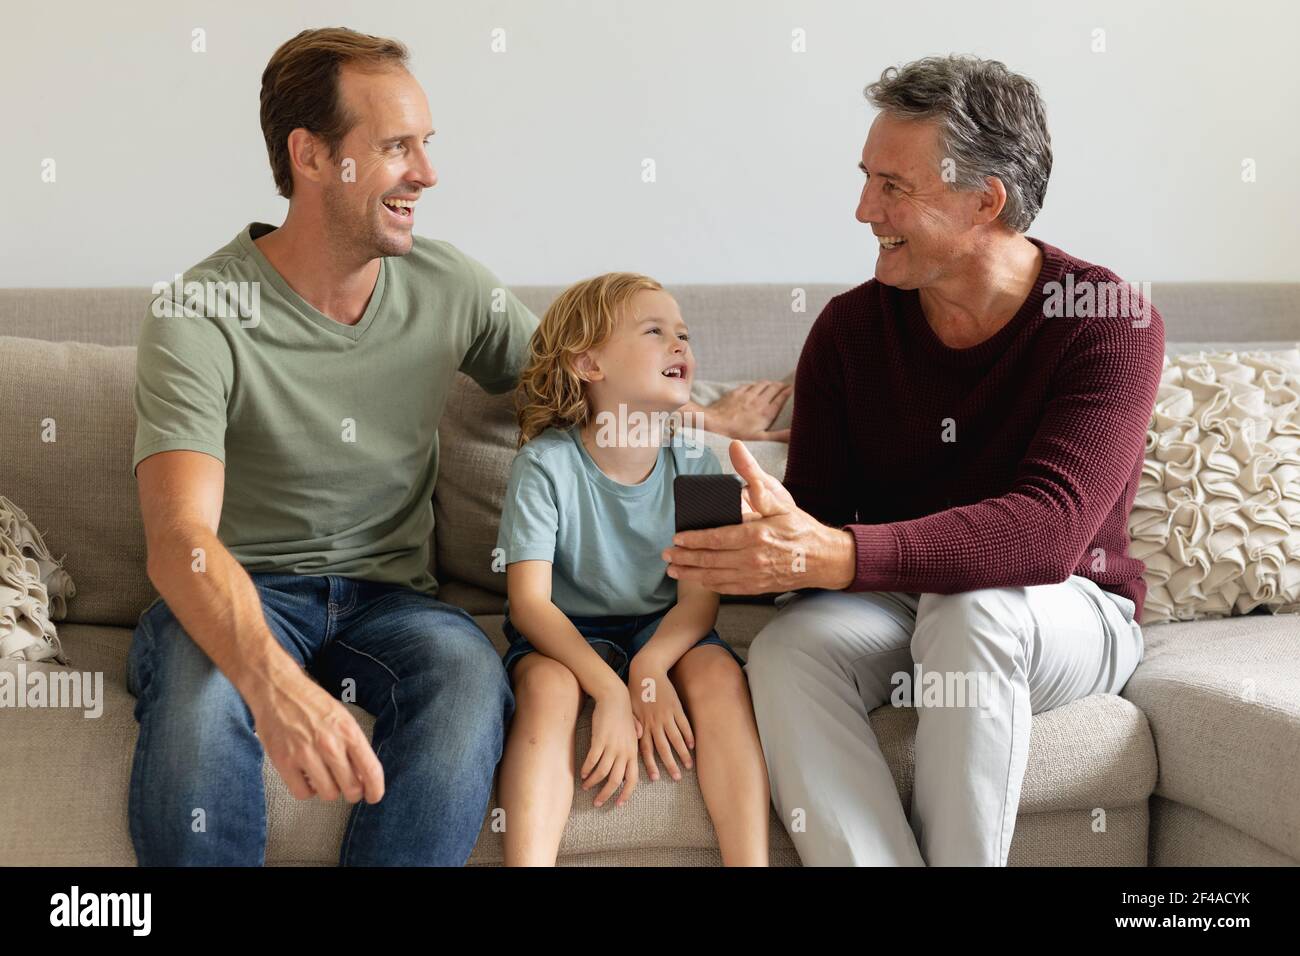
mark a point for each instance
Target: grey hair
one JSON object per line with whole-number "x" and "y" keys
{"x": 992, "y": 122}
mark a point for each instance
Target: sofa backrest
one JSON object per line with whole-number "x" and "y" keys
{"x": 1194, "y": 312}
{"x": 67, "y": 360}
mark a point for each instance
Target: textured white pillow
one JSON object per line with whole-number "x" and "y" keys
{"x": 1217, "y": 513}
{"x": 34, "y": 590}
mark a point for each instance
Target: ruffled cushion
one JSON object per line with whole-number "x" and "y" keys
{"x": 34, "y": 590}
{"x": 1217, "y": 513}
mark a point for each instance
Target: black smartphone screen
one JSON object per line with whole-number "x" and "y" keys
{"x": 706, "y": 501}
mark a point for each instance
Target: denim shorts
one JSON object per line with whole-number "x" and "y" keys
{"x": 617, "y": 639}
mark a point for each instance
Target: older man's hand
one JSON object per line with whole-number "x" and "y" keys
{"x": 746, "y": 412}
{"x": 776, "y": 548}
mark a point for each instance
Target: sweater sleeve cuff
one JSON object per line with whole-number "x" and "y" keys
{"x": 876, "y": 562}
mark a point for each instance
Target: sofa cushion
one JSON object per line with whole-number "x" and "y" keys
{"x": 69, "y": 805}
{"x": 67, "y": 433}
{"x": 1217, "y": 512}
{"x": 1184, "y": 836}
{"x": 1223, "y": 700}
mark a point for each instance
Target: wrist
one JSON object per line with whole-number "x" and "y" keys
{"x": 841, "y": 561}
{"x": 693, "y": 415}
{"x": 277, "y": 676}
{"x": 609, "y": 688}
{"x": 649, "y": 660}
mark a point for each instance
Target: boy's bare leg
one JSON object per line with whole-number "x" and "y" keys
{"x": 535, "y": 783}
{"x": 728, "y": 755}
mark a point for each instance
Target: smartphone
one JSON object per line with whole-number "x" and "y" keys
{"x": 706, "y": 501}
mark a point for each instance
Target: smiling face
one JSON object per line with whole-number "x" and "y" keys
{"x": 375, "y": 212}
{"x": 647, "y": 362}
{"x": 923, "y": 225}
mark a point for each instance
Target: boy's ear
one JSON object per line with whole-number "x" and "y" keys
{"x": 587, "y": 369}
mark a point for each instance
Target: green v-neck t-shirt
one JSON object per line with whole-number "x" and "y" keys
{"x": 328, "y": 432}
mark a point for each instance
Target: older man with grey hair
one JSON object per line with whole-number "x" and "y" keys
{"x": 968, "y": 434}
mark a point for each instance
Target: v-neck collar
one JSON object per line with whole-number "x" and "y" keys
{"x": 311, "y": 313}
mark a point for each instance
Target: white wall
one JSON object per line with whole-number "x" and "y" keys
{"x": 160, "y": 158}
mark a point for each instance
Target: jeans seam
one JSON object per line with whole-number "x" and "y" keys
{"x": 352, "y": 598}
{"x": 392, "y": 693}
{"x": 145, "y": 626}
{"x": 142, "y": 748}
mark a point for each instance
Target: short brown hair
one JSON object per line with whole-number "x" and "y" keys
{"x": 300, "y": 88}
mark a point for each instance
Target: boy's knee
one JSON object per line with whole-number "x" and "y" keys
{"x": 710, "y": 675}
{"x": 543, "y": 679}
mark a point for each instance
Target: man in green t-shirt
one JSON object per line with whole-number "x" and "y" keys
{"x": 288, "y": 394}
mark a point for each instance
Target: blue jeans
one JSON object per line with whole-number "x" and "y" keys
{"x": 422, "y": 667}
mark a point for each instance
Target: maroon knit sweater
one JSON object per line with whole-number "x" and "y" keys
{"x": 1049, "y": 418}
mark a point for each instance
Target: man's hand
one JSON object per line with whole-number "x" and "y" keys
{"x": 746, "y": 412}
{"x": 314, "y": 743}
{"x": 776, "y": 548}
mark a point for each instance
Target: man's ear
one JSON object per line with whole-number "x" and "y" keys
{"x": 992, "y": 200}
{"x": 307, "y": 155}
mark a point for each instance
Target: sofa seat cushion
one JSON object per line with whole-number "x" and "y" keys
{"x": 1223, "y": 700}
{"x": 1093, "y": 753}
{"x": 1184, "y": 836}
{"x": 68, "y": 806}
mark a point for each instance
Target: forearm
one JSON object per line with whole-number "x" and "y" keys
{"x": 985, "y": 545}
{"x": 549, "y": 630}
{"x": 680, "y": 629}
{"x": 695, "y": 415}
{"x": 219, "y": 607}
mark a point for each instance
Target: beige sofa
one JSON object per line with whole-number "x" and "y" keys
{"x": 1185, "y": 768}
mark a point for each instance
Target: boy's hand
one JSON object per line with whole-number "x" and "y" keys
{"x": 612, "y": 756}
{"x": 657, "y": 706}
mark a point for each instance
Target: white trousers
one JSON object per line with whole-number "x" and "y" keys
{"x": 977, "y": 666}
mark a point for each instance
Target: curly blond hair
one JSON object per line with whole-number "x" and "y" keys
{"x": 550, "y": 391}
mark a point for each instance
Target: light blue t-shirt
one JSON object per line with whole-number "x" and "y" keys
{"x": 603, "y": 538}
